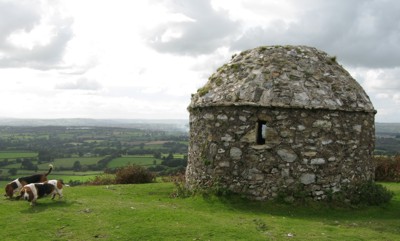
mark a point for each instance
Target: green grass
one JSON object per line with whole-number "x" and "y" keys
{"x": 144, "y": 160}
{"x": 17, "y": 154}
{"x": 146, "y": 212}
{"x": 176, "y": 155}
{"x": 69, "y": 162}
{"x": 66, "y": 176}
{"x": 14, "y": 165}
{"x": 57, "y": 163}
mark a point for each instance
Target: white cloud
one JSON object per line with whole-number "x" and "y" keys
{"x": 361, "y": 33}
{"x": 143, "y": 59}
{"x": 383, "y": 87}
{"x": 80, "y": 84}
{"x": 207, "y": 30}
{"x": 33, "y": 34}
{"x": 40, "y": 35}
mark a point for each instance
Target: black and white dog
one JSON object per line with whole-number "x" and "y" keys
{"x": 18, "y": 183}
{"x": 58, "y": 187}
{"x": 32, "y": 192}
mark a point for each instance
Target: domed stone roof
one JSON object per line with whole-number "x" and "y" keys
{"x": 286, "y": 77}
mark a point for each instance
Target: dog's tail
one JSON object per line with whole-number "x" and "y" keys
{"x": 51, "y": 168}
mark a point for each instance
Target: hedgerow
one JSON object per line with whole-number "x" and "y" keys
{"x": 387, "y": 168}
{"x": 131, "y": 174}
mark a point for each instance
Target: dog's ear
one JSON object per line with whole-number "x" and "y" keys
{"x": 60, "y": 184}
{"x": 9, "y": 191}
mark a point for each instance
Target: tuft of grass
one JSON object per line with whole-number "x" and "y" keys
{"x": 204, "y": 90}
{"x": 235, "y": 67}
{"x": 332, "y": 60}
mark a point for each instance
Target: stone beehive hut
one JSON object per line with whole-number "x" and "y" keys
{"x": 278, "y": 120}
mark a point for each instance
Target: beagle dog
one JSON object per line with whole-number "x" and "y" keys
{"x": 58, "y": 187}
{"x": 18, "y": 183}
{"x": 32, "y": 192}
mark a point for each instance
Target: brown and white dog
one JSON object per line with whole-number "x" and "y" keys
{"x": 32, "y": 192}
{"x": 18, "y": 183}
{"x": 58, "y": 187}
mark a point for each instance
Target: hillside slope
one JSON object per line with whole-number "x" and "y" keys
{"x": 146, "y": 212}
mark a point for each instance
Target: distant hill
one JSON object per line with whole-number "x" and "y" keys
{"x": 387, "y": 128}
{"x": 168, "y": 124}
{"x": 154, "y": 124}
{"x": 387, "y": 140}
{"x": 387, "y": 134}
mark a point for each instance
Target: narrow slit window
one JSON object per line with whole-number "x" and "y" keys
{"x": 261, "y": 132}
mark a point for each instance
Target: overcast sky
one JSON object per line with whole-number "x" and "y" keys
{"x": 143, "y": 59}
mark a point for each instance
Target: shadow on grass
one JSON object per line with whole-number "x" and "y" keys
{"x": 43, "y": 206}
{"x": 383, "y": 219}
{"x": 312, "y": 210}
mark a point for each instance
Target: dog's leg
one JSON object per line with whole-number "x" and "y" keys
{"x": 60, "y": 195}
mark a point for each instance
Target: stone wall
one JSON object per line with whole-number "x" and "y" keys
{"x": 317, "y": 151}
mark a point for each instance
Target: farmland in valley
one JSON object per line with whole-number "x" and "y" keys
{"x": 79, "y": 153}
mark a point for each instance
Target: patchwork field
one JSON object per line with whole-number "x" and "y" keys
{"x": 60, "y": 164}
{"x": 17, "y": 154}
{"x": 141, "y": 160}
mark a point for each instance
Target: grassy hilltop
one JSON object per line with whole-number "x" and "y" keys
{"x": 147, "y": 212}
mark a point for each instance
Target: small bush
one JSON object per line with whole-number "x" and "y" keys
{"x": 133, "y": 174}
{"x": 387, "y": 168}
{"x": 181, "y": 189}
{"x": 368, "y": 193}
{"x": 104, "y": 179}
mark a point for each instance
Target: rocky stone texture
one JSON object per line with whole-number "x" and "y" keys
{"x": 318, "y": 126}
{"x": 283, "y": 76}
